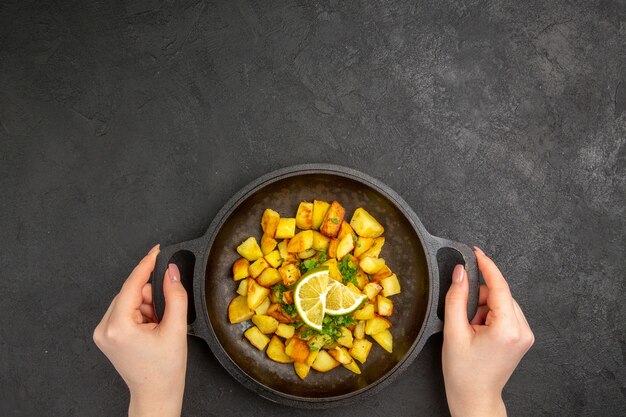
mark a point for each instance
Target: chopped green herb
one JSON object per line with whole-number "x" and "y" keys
{"x": 334, "y": 220}
{"x": 289, "y": 309}
{"x": 279, "y": 289}
{"x": 356, "y": 240}
{"x": 322, "y": 258}
{"x": 308, "y": 264}
{"x": 348, "y": 271}
{"x": 331, "y": 330}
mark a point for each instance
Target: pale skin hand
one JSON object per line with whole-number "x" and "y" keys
{"x": 151, "y": 357}
{"x": 479, "y": 356}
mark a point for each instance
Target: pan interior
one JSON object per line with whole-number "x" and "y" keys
{"x": 402, "y": 251}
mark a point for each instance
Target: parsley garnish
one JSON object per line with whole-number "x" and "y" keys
{"x": 312, "y": 263}
{"x": 334, "y": 220}
{"x": 308, "y": 264}
{"x": 348, "y": 271}
{"x": 279, "y": 289}
{"x": 289, "y": 309}
{"x": 331, "y": 330}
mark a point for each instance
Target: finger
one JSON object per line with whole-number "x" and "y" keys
{"x": 146, "y": 293}
{"x": 147, "y": 310}
{"x": 499, "y": 296}
{"x": 175, "y": 314}
{"x": 481, "y": 315}
{"x": 483, "y": 292}
{"x": 456, "y": 322}
{"x": 130, "y": 296}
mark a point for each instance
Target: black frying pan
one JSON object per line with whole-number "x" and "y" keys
{"x": 422, "y": 262}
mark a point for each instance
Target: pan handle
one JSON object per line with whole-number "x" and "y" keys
{"x": 187, "y": 256}
{"x": 448, "y": 254}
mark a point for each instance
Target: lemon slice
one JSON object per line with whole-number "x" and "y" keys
{"x": 309, "y": 296}
{"x": 342, "y": 300}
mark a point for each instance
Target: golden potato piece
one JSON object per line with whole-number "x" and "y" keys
{"x": 332, "y": 220}
{"x": 371, "y": 265}
{"x": 309, "y": 253}
{"x": 297, "y": 349}
{"x": 269, "y": 277}
{"x": 238, "y": 310}
{"x": 333, "y": 269}
{"x": 385, "y": 306}
{"x": 324, "y": 362}
{"x": 364, "y": 224}
{"x": 341, "y": 355}
{"x": 285, "y": 330}
{"x": 266, "y": 324}
{"x": 240, "y": 269}
{"x": 286, "y": 228}
{"x": 320, "y": 242}
{"x": 312, "y": 356}
{"x": 256, "y": 294}
{"x": 385, "y": 339}
{"x": 359, "y": 330}
{"x": 376, "y": 325}
{"x": 276, "y": 351}
{"x": 242, "y": 289}
{"x": 345, "y": 246}
{"x": 269, "y": 222}
{"x": 302, "y": 369}
{"x": 345, "y": 229}
{"x": 301, "y": 242}
{"x": 268, "y": 243}
{"x": 257, "y": 267}
{"x": 383, "y": 272}
{"x": 361, "y": 278}
{"x": 274, "y": 259}
{"x": 332, "y": 247}
{"x": 276, "y": 311}
{"x": 346, "y": 338}
{"x": 365, "y": 313}
{"x": 391, "y": 285}
{"x": 263, "y": 307}
{"x": 304, "y": 216}
{"x": 250, "y": 249}
{"x": 319, "y": 211}
{"x": 258, "y": 339}
{"x": 372, "y": 289}
{"x": 290, "y": 274}
{"x": 362, "y": 244}
{"x": 361, "y": 349}
{"x": 374, "y": 250}
{"x": 353, "y": 367}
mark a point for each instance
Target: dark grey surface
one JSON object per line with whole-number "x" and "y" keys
{"x": 501, "y": 122}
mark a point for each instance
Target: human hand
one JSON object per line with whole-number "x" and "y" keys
{"x": 478, "y": 357}
{"x": 151, "y": 357}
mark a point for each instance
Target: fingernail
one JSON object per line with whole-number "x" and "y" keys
{"x": 154, "y": 248}
{"x": 457, "y": 275}
{"x": 479, "y": 250}
{"x": 172, "y": 269}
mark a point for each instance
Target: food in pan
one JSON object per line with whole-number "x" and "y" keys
{"x": 315, "y": 288}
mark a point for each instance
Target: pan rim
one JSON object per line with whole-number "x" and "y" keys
{"x": 241, "y": 196}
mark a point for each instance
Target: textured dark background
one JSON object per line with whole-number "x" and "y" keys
{"x": 502, "y": 123}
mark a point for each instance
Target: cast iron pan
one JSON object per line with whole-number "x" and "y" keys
{"x": 422, "y": 262}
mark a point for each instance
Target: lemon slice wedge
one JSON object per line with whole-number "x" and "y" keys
{"x": 309, "y": 296}
{"x": 341, "y": 300}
